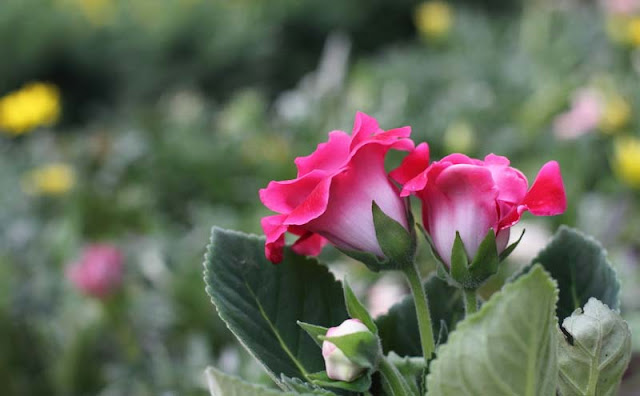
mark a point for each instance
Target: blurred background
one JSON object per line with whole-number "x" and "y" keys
{"x": 129, "y": 128}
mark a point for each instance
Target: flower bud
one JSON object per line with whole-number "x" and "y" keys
{"x": 99, "y": 271}
{"x": 339, "y": 366}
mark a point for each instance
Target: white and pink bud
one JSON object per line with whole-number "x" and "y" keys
{"x": 339, "y": 366}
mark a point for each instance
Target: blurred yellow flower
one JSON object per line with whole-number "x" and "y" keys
{"x": 35, "y": 104}
{"x": 616, "y": 114}
{"x": 52, "y": 179}
{"x": 98, "y": 12}
{"x": 626, "y": 160}
{"x": 434, "y": 19}
{"x": 633, "y": 32}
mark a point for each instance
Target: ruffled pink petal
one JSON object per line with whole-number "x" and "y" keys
{"x": 274, "y": 229}
{"x": 512, "y": 184}
{"x": 547, "y": 196}
{"x": 462, "y": 200}
{"x": 412, "y": 171}
{"x": 364, "y": 127}
{"x": 285, "y": 196}
{"x": 313, "y": 206}
{"x": 309, "y": 244}
{"x": 328, "y": 156}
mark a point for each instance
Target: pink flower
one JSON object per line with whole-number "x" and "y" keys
{"x": 469, "y": 196}
{"x": 332, "y": 196}
{"x": 621, "y": 7}
{"x": 338, "y": 365}
{"x": 583, "y": 117}
{"x": 99, "y": 271}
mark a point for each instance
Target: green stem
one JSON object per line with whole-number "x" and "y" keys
{"x": 396, "y": 381}
{"x": 470, "y": 301}
{"x": 422, "y": 310}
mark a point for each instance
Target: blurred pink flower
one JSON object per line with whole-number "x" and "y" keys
{"x": 583, "y": 116}
{"x": 98, "y": 273}
{"x": 621, "y": 7}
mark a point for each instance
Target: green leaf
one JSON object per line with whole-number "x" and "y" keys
{"x": 398, "y": 329}
{"x": 507, "y": 348}
{"x": 411, "y": 369}
{"x": 361, "y": 347}
{"x": 579, "y": 264}
{"x": 221, "y": 384}
{"x": 397, "y": 244}
{"x": 360, "y": 384}
{"x": 356, "y": 309}
{"x": 595, "y": 352}
{"x": 261, "y": 302}
{"x": 314, "y": 331}
{"x": 303, "y": 388}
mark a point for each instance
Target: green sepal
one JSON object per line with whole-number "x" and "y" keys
{"x": 356, "y": 309}
{"x": 397, "y": 244}
{"x": 360, "y": 384}
{"x": 485, "y": 263}
{"x": 471, "y": 275}
{"x": 362, "y": 348}
{"x": 313, "y": 331}
{"x": 506, "y": 252}
{"x": 459, "y": 261}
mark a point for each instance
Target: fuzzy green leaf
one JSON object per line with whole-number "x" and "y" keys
{"x": 595, "y": 352}
{"x": 506, "y": 348}
{"x": 580, "y": 266}
{"x": 221, "y": 384}
{"x": 314, "y": 331}
{"x": 261, "y": 302}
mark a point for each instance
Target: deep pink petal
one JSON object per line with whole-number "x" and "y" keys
{"x": 412, "y": 171}
{"x": 313, "y": 206}
{"x": 309, "y": 244}
{"x": 328, "y": 156}
{"x": 364, "y": 127}
{"x": 285, "y": 196}
{"x": 274, "y": 229}
{"x": 512, "y": 184}
{"x": 547, "y": 196}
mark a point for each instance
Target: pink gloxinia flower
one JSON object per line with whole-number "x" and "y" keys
{"x": 338, "y": 365}
{"x": 583, "y": 117}
{"x": 471, "y": 197}
{"x": 332, "y": 196}
{"x": 98, "y": 273}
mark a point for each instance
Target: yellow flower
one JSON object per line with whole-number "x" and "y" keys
{"x": 434, "y": 19}
{"x": 52, "y": 179}
{"x": 626, "y": 160}
{"x": 633, "y": 32}
{"x": 35, "y": 104}
{"x": 616, "y": 114}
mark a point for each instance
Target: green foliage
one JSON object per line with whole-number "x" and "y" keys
{"x": 398, "y": 329}
{"x": 261, "y": 302}
{"x": 222, "y": 384}
{"x": 356, "y": 309}
{"x": 580, "y": 266}
{"x": 594, "y": 351}
{"x": 506, "y": 348}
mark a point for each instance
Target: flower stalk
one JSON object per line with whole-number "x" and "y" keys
{"x": 422, "y": 310}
